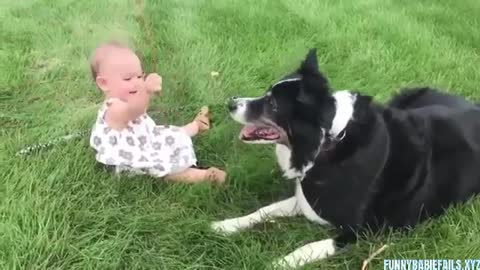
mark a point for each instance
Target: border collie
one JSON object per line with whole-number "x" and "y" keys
{"x": 359, "y": 165}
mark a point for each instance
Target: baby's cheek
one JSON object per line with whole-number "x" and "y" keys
{"x": 129, "y": 87}
{"x": 142, "y": 84}
{"x": 125, "y": 93}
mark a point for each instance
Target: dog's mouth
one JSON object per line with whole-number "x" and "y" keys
{"x": 254, "y": 133}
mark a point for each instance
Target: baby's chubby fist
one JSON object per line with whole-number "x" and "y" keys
{"x": 153, "y": 82}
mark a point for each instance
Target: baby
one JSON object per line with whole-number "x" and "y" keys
{"x": 125, "y": 137}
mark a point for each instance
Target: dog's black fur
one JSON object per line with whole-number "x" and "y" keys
{"x": 396, "y": 164}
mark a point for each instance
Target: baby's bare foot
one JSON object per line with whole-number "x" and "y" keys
{"x": 202, "y": 119}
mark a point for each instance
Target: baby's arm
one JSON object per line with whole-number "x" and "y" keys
{"x": 121, "y": 112}
{"x": 153, "y": 82}
{"x": 138, "y": 103}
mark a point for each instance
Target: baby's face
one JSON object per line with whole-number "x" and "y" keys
{"x": 121, "y": 75}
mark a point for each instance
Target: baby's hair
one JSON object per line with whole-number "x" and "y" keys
{"x": 99, "y": 53}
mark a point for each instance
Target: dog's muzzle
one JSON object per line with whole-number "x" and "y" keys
{"x": 232, "y": 104}
{"x": 238, "y": 108}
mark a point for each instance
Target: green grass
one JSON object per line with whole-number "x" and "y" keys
{"x": 59, "y": 210}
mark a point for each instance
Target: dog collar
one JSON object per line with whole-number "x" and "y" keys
{"x": 331, "y": 141}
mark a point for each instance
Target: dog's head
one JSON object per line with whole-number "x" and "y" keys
{"x": 294, "y": 110}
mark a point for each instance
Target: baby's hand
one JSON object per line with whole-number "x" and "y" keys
{"x": 153, "y": 82}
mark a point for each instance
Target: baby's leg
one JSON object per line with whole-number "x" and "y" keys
{"x": 193, "y": 175}
{"x": 191, "y": 129}
{"x": 200, "y": 123}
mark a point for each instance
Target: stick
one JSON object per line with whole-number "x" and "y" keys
{"x": 370, "y": 258}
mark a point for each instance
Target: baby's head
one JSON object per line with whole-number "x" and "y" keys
{"x": 116, "y": 70}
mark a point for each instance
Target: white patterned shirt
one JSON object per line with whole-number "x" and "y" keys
{"x": 143, "y": 147}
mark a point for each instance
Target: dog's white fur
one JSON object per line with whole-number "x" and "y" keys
{"x": 306, "y": 254}
{"x": 239, "y": 116}
{"x": 344, "y": 101}
{"x": 287, "y": 80}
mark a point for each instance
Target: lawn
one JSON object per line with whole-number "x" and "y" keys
{"x": 59, "y": 210}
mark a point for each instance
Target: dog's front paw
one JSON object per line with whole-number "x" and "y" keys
{"x": 228, "y": 226}
{"x": 306, "y": 254}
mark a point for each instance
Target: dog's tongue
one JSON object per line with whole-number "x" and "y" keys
{"x": 250, "y": 131}
{"x": 267, "y": 133}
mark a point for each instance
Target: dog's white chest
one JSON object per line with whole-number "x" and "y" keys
{"x": 283, "y": 159}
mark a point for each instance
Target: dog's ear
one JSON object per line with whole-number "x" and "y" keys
{"x": 310, "y": 63}
{"x": 314, "y": 83}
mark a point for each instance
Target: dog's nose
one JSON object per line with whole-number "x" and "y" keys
{"x": 232, "y": 104}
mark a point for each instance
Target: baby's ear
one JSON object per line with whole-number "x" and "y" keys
{"x": 101, "y": 83}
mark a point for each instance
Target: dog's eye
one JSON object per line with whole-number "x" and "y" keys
{"x": 272, "y": 103}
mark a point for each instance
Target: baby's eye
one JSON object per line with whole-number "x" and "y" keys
{"x": 127, "y": 79}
